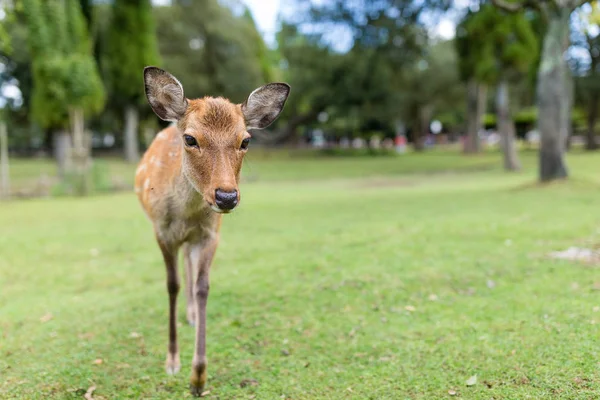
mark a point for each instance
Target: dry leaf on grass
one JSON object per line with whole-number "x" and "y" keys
{"x": 410, "y": 308}
{"x": 98, "y": 361}
{"x": 452, "y": 392}
{"x": 88, "y": 394}
{"x": 134, "y": 335}
{"x": 87, "y": 335}
{"x": 472, "y": 381}
{"x": 205, "y": 393}
{"x": 46, "y": 318}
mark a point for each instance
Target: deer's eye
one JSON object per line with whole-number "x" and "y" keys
{"x": 190, "y": 140}
{"x": 245, "y": 144}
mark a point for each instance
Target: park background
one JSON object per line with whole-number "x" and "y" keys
{"x": 420, "y": 223}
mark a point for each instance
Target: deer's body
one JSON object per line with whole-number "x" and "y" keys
{"x": 186, "y": 180}
{"x": 178, "y": 212}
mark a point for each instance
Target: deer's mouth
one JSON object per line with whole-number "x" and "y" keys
{"x": 219, "y": 210}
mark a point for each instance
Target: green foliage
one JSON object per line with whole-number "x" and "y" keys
{"x": 433, "y": 81}
{"x": 492, "y": 43}
{"x": 212, "y": 50}
{"x": 64, "y": 71}
{"x": 129, "y": 46}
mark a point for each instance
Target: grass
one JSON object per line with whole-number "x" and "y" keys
{"x": 364, "y": 279}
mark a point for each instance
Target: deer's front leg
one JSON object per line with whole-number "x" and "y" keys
{"x": 170, "y": 256}
{"x": 190, "y": 279}
{"x": 202, "y": 258}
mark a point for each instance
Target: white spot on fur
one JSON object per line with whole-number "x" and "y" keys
{"x": 161, "y": 135}
{"x": 146, "y": 183}
{"x": 141, "y": 168}
{"x": 137, "y": 189}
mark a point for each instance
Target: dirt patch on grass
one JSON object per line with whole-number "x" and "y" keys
{"x": 577, "y": 254}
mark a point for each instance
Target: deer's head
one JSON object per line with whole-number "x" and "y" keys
{"x": 214, "y": 132}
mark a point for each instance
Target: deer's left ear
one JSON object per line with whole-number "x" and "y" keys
{"x": 264, "y": 105}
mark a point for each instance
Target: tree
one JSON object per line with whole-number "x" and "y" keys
{"x": 360, "y": 86}
{"x": 554, "y": 87}
{"x": 66, "y": 81}
{"x": 5, "y": 48}
{"x": 211, "y": 49}
{"x": 588, "y": 80}
{"x": 130, "y": 46}
{"x": 499, "y": 48}
{"x": 469, "y": 48}
{"x": 431, "y": 86}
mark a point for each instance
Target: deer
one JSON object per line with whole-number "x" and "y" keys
{"x": 186, "y": 180}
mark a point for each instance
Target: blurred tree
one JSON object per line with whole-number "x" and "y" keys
{"x": 363, "y": 79}
{"x": 470, "y": 48}
{"x": 588, "y": 80}
{"x": 66, "y": 81}
{"x": 318, "y": 77}
{"x": 432, "y": 85}
{"x": 211, "y": 49}
{"x": 554, "y": 87}
{"x": 5, "y": 48}
{"x": 130, "y": 45}
{"x": 498, "y": 48}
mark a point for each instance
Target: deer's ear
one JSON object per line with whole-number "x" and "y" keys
{"x": 165, "y": 94}
{"x": 264, "y": 105}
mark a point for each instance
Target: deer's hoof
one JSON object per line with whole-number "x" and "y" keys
{"x": 172, "y": 365}
{"x": 196, "y": 390}
{"x": 198, "y": 377}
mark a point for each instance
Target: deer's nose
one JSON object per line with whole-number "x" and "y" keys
{"x": 226, "y": 200}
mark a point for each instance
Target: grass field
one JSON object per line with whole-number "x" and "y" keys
{"x": 366, "y": 278}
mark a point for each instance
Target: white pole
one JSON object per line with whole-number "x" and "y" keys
{"x": 4, "y": 178}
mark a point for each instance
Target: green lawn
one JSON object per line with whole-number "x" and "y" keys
{"x": 370, "y": 278}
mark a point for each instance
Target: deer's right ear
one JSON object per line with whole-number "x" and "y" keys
{"x": 165, "y": 94}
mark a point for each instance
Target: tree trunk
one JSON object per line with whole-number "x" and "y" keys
{"x": 132, "y": 153}
{"x": 506, "y": 128}
{"x": 591, "y": 143}
{"x": 62, "y": 152}
{"x": 422, "y": 127}
{"x": 553, "y": 98}
{"x": 4, "y": 178}
{"x": 476, "y": 102}
{"x": 80, "y": 152}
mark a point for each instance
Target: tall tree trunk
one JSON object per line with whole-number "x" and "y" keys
{"x": 506, "y": 127}
{"x": 553, "y": 98}
{"x": 132, "y": 152}
{"x": 4, "y": 178}
{"x": 476, "y": 102}
{"x": 591, "y": 143}
{"x": 81, "y": 154}
{"x": 62, "y": 151}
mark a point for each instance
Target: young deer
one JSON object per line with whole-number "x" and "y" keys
{"x": 189, "y": 177}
